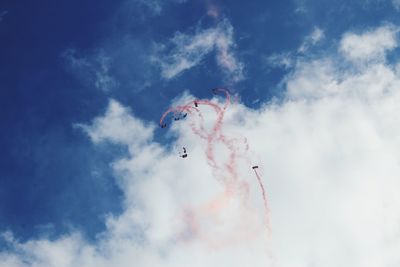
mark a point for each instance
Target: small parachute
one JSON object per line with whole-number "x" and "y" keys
{"x": 176, "y": 116}
{"x": 179, "y": 116}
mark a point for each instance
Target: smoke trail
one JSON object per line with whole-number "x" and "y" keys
{"x": 235, "y": 195}
{"x": 264, "y": 196}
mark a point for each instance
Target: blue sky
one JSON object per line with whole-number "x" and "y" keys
{"x": 63, "y": 62}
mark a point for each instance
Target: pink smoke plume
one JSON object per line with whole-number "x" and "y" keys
{"x": 234, "y": 198}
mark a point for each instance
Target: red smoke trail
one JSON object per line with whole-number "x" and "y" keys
{"x": 264, "y": 196}
{"x": 226, "y": 173}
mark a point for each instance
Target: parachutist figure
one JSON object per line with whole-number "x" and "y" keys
{"x": 184, "y": 155}
{"x": 180, "y": 116}
{"x": 195, "y": 104}
{"x": 255, "y": 167}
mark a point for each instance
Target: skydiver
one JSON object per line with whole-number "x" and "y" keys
{"x": 195, "y": 104}
{"x": 184, "y": 154}
{"x": 255, "y": 167}
{"x": 184, "y": 116}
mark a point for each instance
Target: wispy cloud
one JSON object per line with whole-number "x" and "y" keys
{"x": 156, "y": 6}
{"x": 316, "y": 36}
{"x": 284, "y": 60}
{"x": 94, "y": 69}
{"x": 370, "y": 45}
{"x": 104, "y": 81}
{"x": 2, "y": 14}
{"x": 358, "y": 48}
{"x": 184, "y": 51}
{"x": 287, "y": 59}
{"x": 153, "y": 5}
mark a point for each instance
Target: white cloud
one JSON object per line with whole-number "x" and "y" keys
{"x": 284, "y": 60}
{"x": 188, "y": 51}
{"x": 370, "y": 45}
{"x": 316, "y": 36}
{"x": 119, "y": 127}
{"x": 330, "y": 158}
{"x": 359, "y": 48}
{"x": 287, "y": 60}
